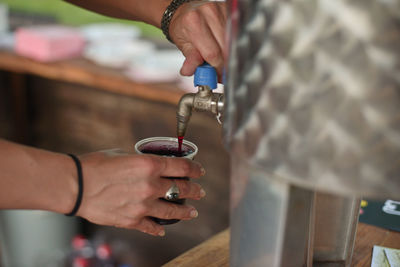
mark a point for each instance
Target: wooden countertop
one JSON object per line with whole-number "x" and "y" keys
{"x": 87, "y": 73}
{"x": 215, "y": 251}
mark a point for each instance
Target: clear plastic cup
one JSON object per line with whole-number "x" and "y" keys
{"x": 168, "y": 147}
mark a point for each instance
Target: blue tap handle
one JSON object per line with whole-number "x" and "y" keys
{"x": 205, "y": 75}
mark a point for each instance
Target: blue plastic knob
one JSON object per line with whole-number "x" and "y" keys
{"x": 205, "y": 75}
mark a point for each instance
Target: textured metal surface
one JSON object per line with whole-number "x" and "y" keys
{"x": 313, "y": 92}
{"x": 281, "y": 224}
{"x": 312, "y": 103}
{"x": 335, "y": 228}
{"x": 271, "y": 221}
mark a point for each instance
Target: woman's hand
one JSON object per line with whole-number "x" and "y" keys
{"x": 198, "y": 30}
{"x": 123, "y": 190}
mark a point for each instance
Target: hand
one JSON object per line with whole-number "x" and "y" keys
{"x": 198, "y": 30}
{"x": 123, "y": 190}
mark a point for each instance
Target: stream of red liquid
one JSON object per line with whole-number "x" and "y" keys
{"x": 180, "y": 141}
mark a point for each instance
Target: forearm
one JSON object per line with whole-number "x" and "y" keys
{"x": 36, "y": 179}
{"x": 148, "y": 11}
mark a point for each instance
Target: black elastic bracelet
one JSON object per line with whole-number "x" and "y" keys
{"x": 80, "y": 186}
{"x": 167, "y": 16}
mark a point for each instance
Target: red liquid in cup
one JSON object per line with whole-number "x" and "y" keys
{"x": 166, "y": 148}
{"x": 170, "y": 149}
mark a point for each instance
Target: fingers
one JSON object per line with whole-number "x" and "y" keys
{"x": 180, "y": 167}
{"x": 158, "y": 209}
{"x": 208, "y": 46}
{"x": 164, "y": 210}
{"x": 190, "y": 190}
{"x": 223, "y": 10}
{"x": 216, "y": 22}
{"x": 187, "y": 189}
{"x": 199, "y": 32}
{"x": 148, "y": 226}
{"x": 215, "y": 17}
{"x": 192, "y": 61}
{"x": 161, "y": 210}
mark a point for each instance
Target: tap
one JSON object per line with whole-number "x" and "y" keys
{"x": 205, "y": 78}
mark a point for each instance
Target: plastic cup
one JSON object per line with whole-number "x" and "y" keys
{"x": 167, "y": 147}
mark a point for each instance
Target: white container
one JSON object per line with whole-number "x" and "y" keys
{"x": 118, "y": 54}
{"x": 110, "y": 32}
{"x": 160, "y": 66}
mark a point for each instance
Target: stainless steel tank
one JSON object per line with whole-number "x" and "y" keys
{"x": 312, "y": 124}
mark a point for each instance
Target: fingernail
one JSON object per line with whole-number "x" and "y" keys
{"x": 161, "y": 233}
{"x": 202, "y": 193}
{"x": 194, "y": 214}
{"x": 203, "y": 171}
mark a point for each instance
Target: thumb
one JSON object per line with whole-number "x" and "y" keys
{"x": 192, "y": 61}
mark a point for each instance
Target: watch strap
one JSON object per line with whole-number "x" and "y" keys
{"x": 168, "y": 14}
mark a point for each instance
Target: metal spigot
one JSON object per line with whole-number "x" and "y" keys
{"x": 204, "y": 100}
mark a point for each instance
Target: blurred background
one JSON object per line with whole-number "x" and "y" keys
{"x": 51, "y": 11}
{"x": 74, "y": 82}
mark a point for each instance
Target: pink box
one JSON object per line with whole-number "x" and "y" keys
{"x": 49, "y": 43}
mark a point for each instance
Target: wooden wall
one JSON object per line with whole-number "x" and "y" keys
{"x": 71, "y": 118}
{"x": 5, "y": 114}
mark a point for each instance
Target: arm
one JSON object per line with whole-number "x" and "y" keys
{"x": 32, "y": 178}
{"x": 119, "y": 189}
{"x": 150, "y": 12}
{"x": 197, "y": 28}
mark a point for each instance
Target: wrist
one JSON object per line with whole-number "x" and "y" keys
{"x": 79, "y": 196}
{"x": 54, "y": 185}
{"x": 150, "y": 13}
{"x": 67, "y": 184}
{"x": 60, "y": 184}
{"x": 168, "y": 14}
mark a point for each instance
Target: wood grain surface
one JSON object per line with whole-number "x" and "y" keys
{"x": 212, "y": 253}
{"x": 367, "y": 237}
{"x": 215, "y": 251}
